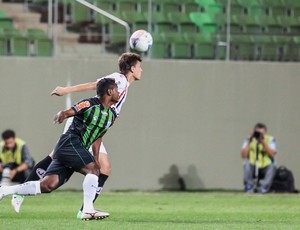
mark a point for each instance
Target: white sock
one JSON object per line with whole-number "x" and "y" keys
{"x": 90, "y": 185}
{"x": 28, "y": 188}
{"x": 99, "y": 190}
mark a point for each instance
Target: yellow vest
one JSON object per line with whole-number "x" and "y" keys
{"x": 7, "y": 156}
{"x": 263, "y": 157}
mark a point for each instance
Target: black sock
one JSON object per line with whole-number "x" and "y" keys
{"x": 39, "y": 169}
{"x": 101, "y": 181}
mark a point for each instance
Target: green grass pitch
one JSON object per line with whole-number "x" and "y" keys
{"x": 157, "y": 210}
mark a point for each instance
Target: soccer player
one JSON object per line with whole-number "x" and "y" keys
{"x": 92, "y": 118}
{"x": 129, "y": 71}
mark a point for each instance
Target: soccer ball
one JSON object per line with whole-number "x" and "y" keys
{"x": 141, "y": 41}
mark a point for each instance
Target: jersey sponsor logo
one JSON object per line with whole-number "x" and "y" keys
{"x": 82, "y": 105}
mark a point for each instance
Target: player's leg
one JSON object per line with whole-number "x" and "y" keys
{"x": 55, "y": 177}
{"x": 105, "y": 171}
{"x": 74, "y": 155}
{"x": 37, "y": 173}
{"x": 40, "y": 168}
{"x": 90, "y": 185}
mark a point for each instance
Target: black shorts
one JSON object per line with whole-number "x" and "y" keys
{"x": 69, "y": 156}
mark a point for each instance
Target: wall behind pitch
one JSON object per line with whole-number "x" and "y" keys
{"x": 185, "y": 120}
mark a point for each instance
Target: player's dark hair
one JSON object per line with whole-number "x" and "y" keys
{"x": 103, "y": 85}
{"x": 260, "y": 126}
{"x": 8, "y": 134}
{"x": 127, "y": 60}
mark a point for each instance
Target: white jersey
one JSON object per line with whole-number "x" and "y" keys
{"x": 123, "y": 85}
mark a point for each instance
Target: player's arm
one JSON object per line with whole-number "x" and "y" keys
{"x": 62, "y": 115}
{"x": 96, "y": 149}
{"x": 60, "y": 91}
{"x": 78, "y": 108}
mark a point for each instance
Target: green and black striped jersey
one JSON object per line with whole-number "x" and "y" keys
{"x": 91, "y": 120}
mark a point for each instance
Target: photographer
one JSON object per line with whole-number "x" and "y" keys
{"x": 15, "y": 159}
{"x": 259, "y": 150}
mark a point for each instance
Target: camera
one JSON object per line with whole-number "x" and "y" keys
{"x": 257, "y": 135}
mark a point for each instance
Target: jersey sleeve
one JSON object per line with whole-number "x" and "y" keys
{"x": 82, "y": 106}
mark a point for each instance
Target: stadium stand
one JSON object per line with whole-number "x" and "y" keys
{"x": 189, "y": 29}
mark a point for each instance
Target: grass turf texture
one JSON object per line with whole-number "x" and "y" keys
{"x": 157, "y": 210}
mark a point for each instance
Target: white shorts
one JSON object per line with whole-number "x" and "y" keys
{"x": 68, "y": 124}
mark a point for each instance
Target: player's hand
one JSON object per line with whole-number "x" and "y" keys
{"x": 59, "y": 117}
{"x": 59, "y": 91}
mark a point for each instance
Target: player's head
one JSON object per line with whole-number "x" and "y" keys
{"x": 9, "y": 138}
{"x": 108, "y": 86}
{"x": 130, "y": 65}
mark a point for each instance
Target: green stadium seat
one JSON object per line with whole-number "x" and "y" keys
{"x": 136, "y": 20}
{"x": 295, "y": 49}
{"x": 203, "y": 46}
{"x": 267, "y": 47}
{"x": 211, "y": 6}
{"x": 166, "y": 6}
{"x": 236, "y": 7}
{"x": 160, "y": 48}
{"x": 254, "y": 7}
{"x": 134, "y": 17}
{"x": 251, "y": 24}
{"x": 20, "y": 45}
{"x": 117, "y": 34}
{"x": 104, "y": 5}
{"x": 142, "y": 6}
{"x": 162, "y": 23}
{"x": 207, "y": 23}
{"x": 270, "y": 24}
{"x": 34, "y": 32}
{"x": 3, "y": 43}
{"x": 44, "y": 47}
{"x": 291, "y": 24}
{"x": 183, "y": 22}
{"x": 179, "y": 47}
{"x": 235, "y": 24}
{"x": 5, "y": 21}
{"x": 190, "y": 6}
{"x": 125, "y": 5}
{"x": 275, "y": 7}
{"x": 245, "y": 47}
{"x": 39, "y": 42}
{"x": 285, "y": 46}
{"x": 80, "y": 13}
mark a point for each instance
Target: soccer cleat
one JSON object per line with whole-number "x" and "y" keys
{"x": 79, "y": 214}
{"x": 94, "y": 215}
{"x": 16, "y": 202}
